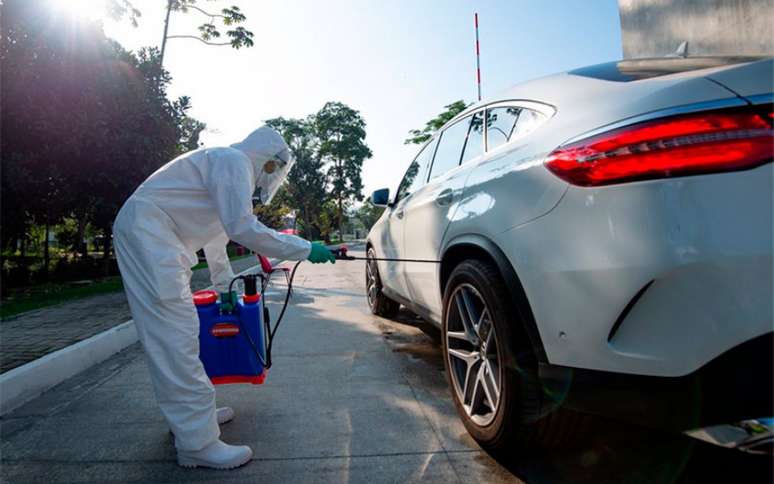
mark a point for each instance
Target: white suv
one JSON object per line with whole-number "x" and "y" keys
{"x": 598, "y": 240}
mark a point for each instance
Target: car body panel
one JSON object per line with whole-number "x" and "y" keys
{"x": 426, "y": 225}
{"x": 748, "y": 80}
{"x": 387, "y": 238}
{"x": 705, "y": 244}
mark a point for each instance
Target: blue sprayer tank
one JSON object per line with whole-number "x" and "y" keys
{"x": 226, "y": 353}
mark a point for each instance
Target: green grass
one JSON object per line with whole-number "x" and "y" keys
{"x": 202, "y": 265}
{"x": 332, "y": 242}
{"x": 37, "y": 297}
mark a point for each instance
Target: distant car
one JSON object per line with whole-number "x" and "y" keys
{"x": 603, "y": 240}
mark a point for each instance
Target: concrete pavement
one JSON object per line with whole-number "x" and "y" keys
{"x": 351, "y": 398}
{"x": 339, "y": 405}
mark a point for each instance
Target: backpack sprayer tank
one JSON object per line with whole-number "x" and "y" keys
{"x": 231, "y": 335}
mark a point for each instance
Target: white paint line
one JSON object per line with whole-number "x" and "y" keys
{"x": 24, "y": 383}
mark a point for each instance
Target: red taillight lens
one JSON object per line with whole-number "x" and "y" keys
{"x": 690, "y": 144}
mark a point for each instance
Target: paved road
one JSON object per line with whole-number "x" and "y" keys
{"x": 352, "y": 398}
{"x": 33, "y": 334}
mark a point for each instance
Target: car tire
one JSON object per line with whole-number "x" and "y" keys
{"x": 520, "y": 416}
{"x": 379, "y": 304}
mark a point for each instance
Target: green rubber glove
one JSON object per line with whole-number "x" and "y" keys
{"x": 320, "y": 254}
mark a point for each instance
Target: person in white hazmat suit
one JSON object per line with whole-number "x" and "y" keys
{"x": 198, "y": 200}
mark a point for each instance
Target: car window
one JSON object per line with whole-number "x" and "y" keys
{"x": 417, "y": 172}
{"x": 527, "y": 122}
{"x": 509, "y": 122}
{"x": 475, "y": 144}
{"x": 449, "y": 151}
{"x": 499, "y": 125}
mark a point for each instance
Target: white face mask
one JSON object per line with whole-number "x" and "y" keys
{"x": 272, "y": 175}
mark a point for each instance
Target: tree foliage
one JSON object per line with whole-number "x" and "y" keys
{"x": 343, "y": 149}
{"x": 368, "y": 214}
{"x": 329, "y": 148}
{"x": 306, "y": 186}
{"x": 84, "y": 121}
{"x": 209, "y": 32}
{"x": 450, "y": 110}
{"x": 273, "y": 214}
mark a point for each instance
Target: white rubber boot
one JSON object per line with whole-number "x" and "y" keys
{"x": 224, "y": 415}
{"x": 217, "y": 455}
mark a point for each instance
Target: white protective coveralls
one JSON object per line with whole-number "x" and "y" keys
{"x": 198, "y": 200}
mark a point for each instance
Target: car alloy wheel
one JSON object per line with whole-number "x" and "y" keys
{"x": 473, "y": 356}
{"x": 379, "y": 304}
{"x": 372, "y": 284}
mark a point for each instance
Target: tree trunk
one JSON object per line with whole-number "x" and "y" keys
{"x": 106, "y": 252}
{"x": 25, "y": 269}
{"x": 309, "y": 232}
{"x": 46, "y": 253}
{"x": 80, "y": 247}
{"x": 341, "y": 219}
{"x": 166, "y": 29}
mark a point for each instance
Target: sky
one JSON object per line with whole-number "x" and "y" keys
{"x": 398, "y": 62}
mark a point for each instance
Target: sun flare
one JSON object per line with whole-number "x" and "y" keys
{"x": 79, "y": 8}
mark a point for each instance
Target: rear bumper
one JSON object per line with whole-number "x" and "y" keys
{"x": 738, "y": 385}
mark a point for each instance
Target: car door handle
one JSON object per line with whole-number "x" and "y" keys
{"x": 445, "y": 197}
{"x": 399, "y": 214}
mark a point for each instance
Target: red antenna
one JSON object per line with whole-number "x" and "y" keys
{"x": 478, "y": 62}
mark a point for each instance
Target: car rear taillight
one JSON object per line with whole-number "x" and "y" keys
{"x": 690, "y": 144}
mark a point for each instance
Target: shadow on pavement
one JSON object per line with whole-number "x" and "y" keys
{"x": 613, "y": 452}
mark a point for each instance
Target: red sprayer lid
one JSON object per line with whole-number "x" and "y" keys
{"x": 205, "y": 297}
{"x": 251, "y": 298}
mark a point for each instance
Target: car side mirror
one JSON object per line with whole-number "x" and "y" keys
{"x": 381, "y": 198}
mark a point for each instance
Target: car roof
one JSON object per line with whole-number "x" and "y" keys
{"x": 618, "y": 82}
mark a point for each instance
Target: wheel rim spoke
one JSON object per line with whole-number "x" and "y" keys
{"x": 469, "y": 357}
{"x": 464, "y": 314}
{"x": 460, "y": 335}
{"x": 490, "y": 384}
{"x": 482, "y": 320}
{"x": 482, "y": 384}
{"x": 471, "y": 387}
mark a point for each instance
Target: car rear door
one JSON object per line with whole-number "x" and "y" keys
{"x": 429, "y": 210}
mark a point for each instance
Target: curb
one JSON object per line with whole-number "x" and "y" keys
{"x": 24, "y": 383}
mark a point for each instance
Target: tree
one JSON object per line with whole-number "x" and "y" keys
{"x": 368, "y": 214}
{"x": 90, "y": 121}
{"x": 341, "y": 131}
{"x": 209, "y": 33}
{"x": 273, "y": 214}
{"x": 450, "y": 110}
{"x": 305, "y": 188}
